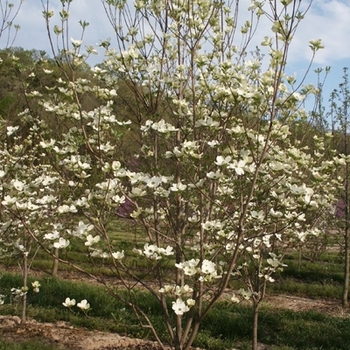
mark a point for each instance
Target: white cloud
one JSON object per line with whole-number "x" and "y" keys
{"x": 33, "y": 32}
{"x": 329, "y": 21}
{"x": 326, "y": 19}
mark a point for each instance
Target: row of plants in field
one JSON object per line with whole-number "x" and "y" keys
{"x": 226, "y": 326}
{"x": 326, "y": 268}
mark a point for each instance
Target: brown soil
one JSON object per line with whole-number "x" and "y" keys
{"x": 290, "y": 302}
{"x": 64, "y": 336}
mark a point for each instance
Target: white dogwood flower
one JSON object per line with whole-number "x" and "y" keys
{"x": 82, "y": 228}
{"x": 90, "y": 240}
{"x": 36, "y": 285}
{"x": 69, "y": 302}
{"x": 11, "y": 130}
{"x": 189, "y": 267}
{"x": 61, "y": 243}
{"x": 118, "y": 255}
{"x": 76, "y": 43}
{"x": 18, "y": 185}
{"x": 84, "y": 305}
{"x": 190, "y": 302}
{"x": 235, "y": 299}
{"x": 208, "y": 267}
{"x": 51, "y": 236}
{"x": 180, "y": 307}
{"x": 246, "y": 294}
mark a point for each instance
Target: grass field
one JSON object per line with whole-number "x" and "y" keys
{"x": 226, "y": 326}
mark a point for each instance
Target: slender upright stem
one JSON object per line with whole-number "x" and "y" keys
{"x": 25, "y": 281}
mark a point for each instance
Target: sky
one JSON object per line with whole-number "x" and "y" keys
{"x": 328, "y": 20}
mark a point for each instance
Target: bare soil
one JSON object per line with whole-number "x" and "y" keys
{"x": 64, "y": 336}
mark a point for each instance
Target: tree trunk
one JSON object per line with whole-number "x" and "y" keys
{"x": 345, "y": 301}
{"x": 24, "y": 288}
{"x": 55, "y": 263}
{"x": 255, "y": 325}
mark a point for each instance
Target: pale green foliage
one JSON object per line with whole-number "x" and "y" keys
{"x": 212, "y": 175}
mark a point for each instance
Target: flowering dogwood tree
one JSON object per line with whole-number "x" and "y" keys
{"x": 200, "y": 154}
{"x": 23, "y": 202}
{"x": 339, "y": 115}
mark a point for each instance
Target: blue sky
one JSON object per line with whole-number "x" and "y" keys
{"x": 328, "y": 20}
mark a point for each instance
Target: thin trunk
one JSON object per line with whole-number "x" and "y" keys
{"x": 255, "y": 325}
{"x": 24, "y": 288}
{"x": 55, "y": 263}
{"x": 345, "y": 301}
{"x": 177, "y": 346}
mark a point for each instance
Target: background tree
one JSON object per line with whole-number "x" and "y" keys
{"x": 305, "y": 132}
{"x": 339, "y": 114}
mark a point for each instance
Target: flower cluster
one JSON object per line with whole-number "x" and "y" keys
{"x": 36, "y": 285}
{"x": 20, "y": 292}
{"x": 153, "y": 252}
{"x": 245, "y": 294}
{"x": 60, "y": 242}
{"x": 208, "y": 270}
{"x": 83, "y": 305}
{"x": 181, "y": 292}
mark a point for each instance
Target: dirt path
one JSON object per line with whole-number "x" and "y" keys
{"x": 64, "y": 336}
{"x": 294, "y": 303}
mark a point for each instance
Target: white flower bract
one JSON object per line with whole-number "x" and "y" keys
{"x": 84, "y": 305}
{"x": 180, "y": 307}
{"x": 69, "y": 302}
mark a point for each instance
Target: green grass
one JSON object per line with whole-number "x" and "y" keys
{"x": 304, "y": 289}
{"x": 77, "y": 253}
{"x": 225, "y": 326}
{"x": 322, "y": 279}
{"x": 107, "y": 313}
{"x": 320, "y": 272}
{"x": 298, "y": 330}
{"x": 26, "y": 345}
